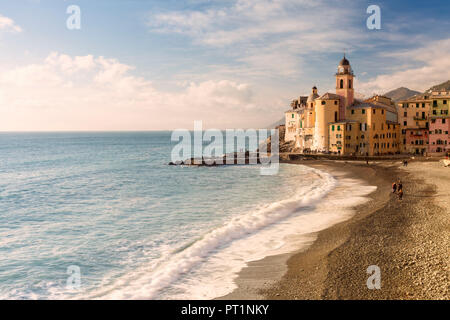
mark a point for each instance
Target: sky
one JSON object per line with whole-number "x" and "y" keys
{"x": 161, "y": 65}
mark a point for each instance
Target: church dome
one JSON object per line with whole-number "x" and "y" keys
{"x": 344, "y": 62}
{"x": 312, "y": 97}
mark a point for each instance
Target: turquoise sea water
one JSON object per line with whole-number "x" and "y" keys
{"x": 109, "y": 204}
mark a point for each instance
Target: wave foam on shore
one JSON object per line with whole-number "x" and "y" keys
{"x": 207, "y": 268}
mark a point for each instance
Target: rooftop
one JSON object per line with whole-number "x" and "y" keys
{"x": 329, "y": 96}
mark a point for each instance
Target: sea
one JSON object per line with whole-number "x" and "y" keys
{"x": 101, "y": 215}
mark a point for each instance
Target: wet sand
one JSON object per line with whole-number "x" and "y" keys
{"x": 408, "y": 240}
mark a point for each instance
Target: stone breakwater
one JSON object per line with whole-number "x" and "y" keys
{"x": 236, "y": 158}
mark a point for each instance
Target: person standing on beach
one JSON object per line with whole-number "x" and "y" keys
{"x": 394, "y": 187}
{"x": 400, "y": 194}
{"x": 400, "y": 190}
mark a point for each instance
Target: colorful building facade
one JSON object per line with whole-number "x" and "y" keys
{"x": 340, "y": 124}
{"x": 414, "y": 121}
{"x": 439, "y": 124}
{"x": 425, "y": 124}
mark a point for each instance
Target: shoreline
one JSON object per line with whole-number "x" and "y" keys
{"x": 383, "y": 231}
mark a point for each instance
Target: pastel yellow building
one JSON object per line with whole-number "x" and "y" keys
{"x": 344, "y": 137}
{"x": 377, "y": 134}
{"x": 326, "y": 112}
{"x": 413, "y": 115}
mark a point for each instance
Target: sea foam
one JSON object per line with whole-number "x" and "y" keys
{"x": 218, "y": 254}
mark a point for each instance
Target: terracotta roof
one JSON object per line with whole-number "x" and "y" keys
{"x": 417, "y": 97}
{"x": 369, "y": 105}
{"x": 329, "y": 96}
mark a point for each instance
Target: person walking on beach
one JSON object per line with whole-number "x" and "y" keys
{"x": 400, "y": 190}
{"x": 400, "y": 194}
{"x": 394, "y": 187}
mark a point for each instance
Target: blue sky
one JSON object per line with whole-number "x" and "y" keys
{"x": 229, "y": 63}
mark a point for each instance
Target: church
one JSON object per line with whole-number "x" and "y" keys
{"x": 337, "y": 123}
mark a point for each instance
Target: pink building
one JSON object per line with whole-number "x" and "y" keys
{"x": 439, "y": 140}
{"x": 417, "y": 140}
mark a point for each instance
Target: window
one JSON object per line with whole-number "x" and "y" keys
{"x": 417, "y": 105}
{"x": 335, "y": 103}
{"x": 405, "y": 123}
{"x": 445, "y": 101}
{"x": 434, "y": 103}
{"x": 405, "y": 114}
{"x": 339, "y": 128}
{"x": 382, "y": 111}
{"x": 349, "y": 84}
{"x": 363, "y": 111}
{"x": 353, "y": 111}
{"x": 332, "y": 128}
{"x": 341, "y": 85}
{"x": 374, "y": 111}
{"x": 423, "y": 105}
{"x": 292, "y": 115}
{"x": 443, "y": 121}
{"x": 323, "y": 102}
{"x": 336, "y": 117}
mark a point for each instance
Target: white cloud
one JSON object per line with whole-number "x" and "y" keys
{"x": 266, "y": 36}
{"x": 96, "y": 93}
{"x": 432, "y": 66}
{"x": 243, "y": 20}
{"x": 8, "y": 24}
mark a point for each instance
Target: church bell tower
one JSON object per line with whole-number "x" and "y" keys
{"x": 344, "y": 86}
